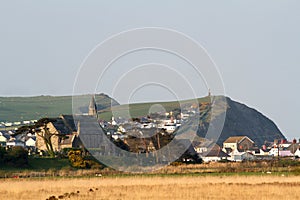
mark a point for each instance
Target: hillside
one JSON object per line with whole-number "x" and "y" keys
{"x": 243, "y": 120}
{"x": 240, "y": 119}
{"x": 26, "y": 108}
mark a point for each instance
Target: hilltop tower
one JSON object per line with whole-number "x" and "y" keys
{"x": 93, "y": 107}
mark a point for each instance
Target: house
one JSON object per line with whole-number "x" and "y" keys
{"x": 30, "y": 143}
{"x": 280, "y": 152}
{"x": 285, "y": 153}
{"x": 240, "y": 143}
{"x": 214, "y": 156}
{"x": 13, "y": 142}
{"x": 264, "y": 152}
{"x": 297, "y": 153}
{"x": 204, "y": 145}
{"x": 293, "y": 147}
{"x": 274, "y": 151}
{"x": 3, "y": 139}
{"x": 64, "y": 134}
{"x": 241, "y": 156}
{"x": 209, "y": 151}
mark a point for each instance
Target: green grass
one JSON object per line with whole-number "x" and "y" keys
{"x": 14, "y": 109}
{"x": 39, "y": 164}
{"x": 142, "y": 109}
{"x": 48, "y": 163}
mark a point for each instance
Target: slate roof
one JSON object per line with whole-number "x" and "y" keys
{"x": 216, "y": 153}
{"x": 61, "y": 127}
{"x": 65, "y": 124}
{"x": 69, "y": 121}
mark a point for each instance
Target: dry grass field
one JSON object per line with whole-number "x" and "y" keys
{"x": 153, "y": 187}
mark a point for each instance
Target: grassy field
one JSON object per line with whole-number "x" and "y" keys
{"x": 27, "y": 108}
{"x": 156, "y": 187}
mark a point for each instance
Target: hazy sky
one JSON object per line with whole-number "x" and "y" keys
{"x": 255, "y": 44}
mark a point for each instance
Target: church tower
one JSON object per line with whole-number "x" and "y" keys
{"x": 93, "y": 107}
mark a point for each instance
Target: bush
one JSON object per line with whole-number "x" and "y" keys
{"x": 14, "y": 157}
{"x": 76, "y": 159}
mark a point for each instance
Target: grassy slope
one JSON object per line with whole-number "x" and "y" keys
{"x": 27, "y": 108}
{"x": 142, "y": 109}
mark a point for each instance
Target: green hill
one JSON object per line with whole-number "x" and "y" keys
{"x": 142, "y": 109}
{"x": 26, "y": 108}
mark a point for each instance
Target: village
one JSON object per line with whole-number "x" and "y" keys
{"x": 145, "y": 135}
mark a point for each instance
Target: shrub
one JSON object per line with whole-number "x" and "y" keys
{"x": 14, "y": 157}
{"x": 76, "y": 159}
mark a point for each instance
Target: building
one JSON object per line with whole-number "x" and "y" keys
{"x": 13, "y": 142}
{"x": 214, "y": 156}
{"x": 63, "y": 134}
{"x": 239, "y": 143}
{"x": 3, "y": 139}
{"x": 93, "y": 107}
{"x": 241, "y": 156}
{"x": 30, "y": 143}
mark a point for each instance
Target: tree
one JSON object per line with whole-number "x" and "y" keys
{"x": 17, "y": 156}
{"x": 41, "y": 130}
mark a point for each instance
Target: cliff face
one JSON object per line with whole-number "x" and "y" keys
{"x": 242, "y": 120}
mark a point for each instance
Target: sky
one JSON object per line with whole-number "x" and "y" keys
{"x": 255, "y": 45}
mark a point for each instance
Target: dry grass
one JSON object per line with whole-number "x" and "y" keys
{"x": 147, "y": 187}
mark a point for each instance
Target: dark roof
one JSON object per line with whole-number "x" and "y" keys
{"x": 61, "y": 127}
{"x": 216, "y": 153}
{"x": 69, "y": 121}
{"x": 6, "y": 135}
{"x": 293, "y": 147}
{"x": 265, "y": 150}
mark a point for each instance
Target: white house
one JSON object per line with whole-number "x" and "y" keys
{"x": 282, "y": 153}
{"x": 297, "y": 152}
{"x": 263, "y": 152}
{"x": 214, "y": 156}
{"x": 15, "y": 143}
{"x": 273, "y": 152}
{"x": 3, "y": 140}
{"x": 30, "y": 142}
{"x": 240, "y": 156}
